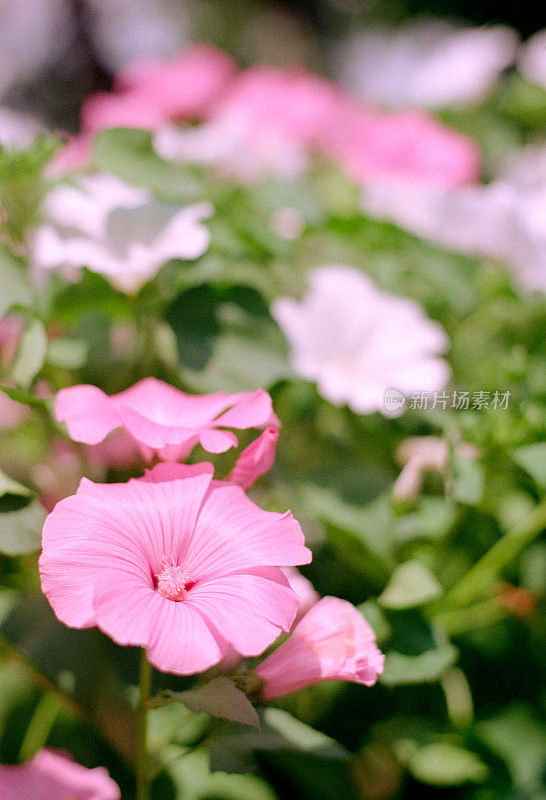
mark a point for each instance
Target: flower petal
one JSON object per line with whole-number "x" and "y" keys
{"x": 88, "y": 412}
{"x": 232, "y": 533}
{"x": 263, "y": 599}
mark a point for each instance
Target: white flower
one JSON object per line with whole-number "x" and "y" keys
{"x": 427, "y": 63}
{"x": 532, "y": 59}
{"x": 505, "y": 220}
{"x": 357, "y": 341}
{"x": 18, "y": 131}
{"x": 116, "y": 230}
{"x": 230, "y": 144}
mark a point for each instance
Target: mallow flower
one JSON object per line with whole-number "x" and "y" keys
{"x": 357, "y": 341}
{"x": 116, "y": 230}
{"x": 165, "y": 422}
{"x": 426, "y": 63}
{"x": 54, "y": 776}
{"x": 175, "y": 562}
{"x": 332, "y": 641}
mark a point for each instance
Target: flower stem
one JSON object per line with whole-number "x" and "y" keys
{"x": 142, "y": 764}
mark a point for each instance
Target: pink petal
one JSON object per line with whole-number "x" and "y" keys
{"x": 255, "y": 460}
{"x": 53, "y": 776}
{"x": 183, "y": 642}
{"x": 333, "y": 641}
{"x": 249, "y": 610}
{"x": 170, "y": 472}
{"x": 215, "y": 441}
{"x": 253, "y": 410}
{"x": 246, "y": 537}
{"x": 88, "y": 413}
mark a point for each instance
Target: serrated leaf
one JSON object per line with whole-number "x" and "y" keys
{"x": 412, "y": 584}
{"x": 21, "y": 531}
{"x": 532, "y": 458}
{"x": 424, "y": 668}
{"x": 446, "y": 764}
{"x": 31, "y": 353}
{"x": 220, "y": 698}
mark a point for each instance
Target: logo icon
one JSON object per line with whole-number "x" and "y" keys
{"x": 394, "y": 401}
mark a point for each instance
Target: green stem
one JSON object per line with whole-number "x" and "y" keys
{"x": 142, "y": 764}
{"x": 478, "y": 580}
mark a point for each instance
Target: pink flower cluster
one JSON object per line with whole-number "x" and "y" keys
{"x": 183, "y": 564}
{"x": 266, "y": 119}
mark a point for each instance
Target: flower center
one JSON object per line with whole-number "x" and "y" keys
{"x": 172, "y": 582}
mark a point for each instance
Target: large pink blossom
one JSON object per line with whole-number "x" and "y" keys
{"x": 178, "y": 563}
{"x": 333, "y": 641}
{"x": 412, "y": 146}
{"x": 163, "y": 420}
{"x": 53, "y": 776}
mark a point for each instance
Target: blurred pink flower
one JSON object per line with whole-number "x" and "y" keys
{"x": 356, "y": 341}
{"x": 256, "y": 459}
{"x": 184, "y": 87}
{"x": 178, "y": 563}
{"x": 264, "y": 122}
{"x": 375, "y": 147}
{"x": 116, "y": 230}
{"x": 118, "y": 451}
{"x": 420, "y": 454}
{"x": 54, "y": 776}
{"x": 304, "y": 589}
{"x": 333, "y": 641}
{"x": 166, "y": 422}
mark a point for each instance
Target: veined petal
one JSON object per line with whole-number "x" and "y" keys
{"x": 232, "y": 533}
{"x": 263, "y": 599}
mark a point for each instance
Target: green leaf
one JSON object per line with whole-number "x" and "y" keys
{"x": 517, "y": 735}
{"x": 532, "y": 458}
{"x": 220, "y": 698}
{"x": 129, "y": 154}
{"x": 196, "y": 781}
{"x": 433, "y": 519}
{"x": 424, "y": 668}
{"x": 21, "y": 530}
{"x": 24, "y": 397}
{"x": 468, "y": 483}
{"x": 412, "y": 584}
{"x": 31, "y": 353}
{"x": 446, "y": 764}
{"x": 361, "y": 536}
{"x": 14, "y": 287}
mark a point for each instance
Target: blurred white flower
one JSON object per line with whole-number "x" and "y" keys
{"x": 127, "y": 30}
{"x": 427, "y": 63}
{"x": 532, "y": 59}
{"x": 31, "y": 33}
{"x": 505, "y": 220}
{"x": 17, "y": 130}
{"x": 233, "y": 148}
{"x": 357, "y": 341}
{"x": 115, "y": 230}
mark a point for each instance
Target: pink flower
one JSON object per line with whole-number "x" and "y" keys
{"x": 333, "y": 641}
{"x": 411, "y": 146}
{"x": 256, "y": 459}
{"x": 163, "y": 420}
{"x": 182, "y": 88}
{"x": 178, "y": 563}
{"x": 53, "y": 776}
{"x": 357, "y": 342}
{"x": 304, "y": 589}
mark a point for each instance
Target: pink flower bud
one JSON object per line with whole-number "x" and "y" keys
{"x": 332, "y": 642}
{"x": 256, "y": 459}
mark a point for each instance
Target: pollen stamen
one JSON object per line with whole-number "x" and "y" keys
{"x": 173, "y": 582}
